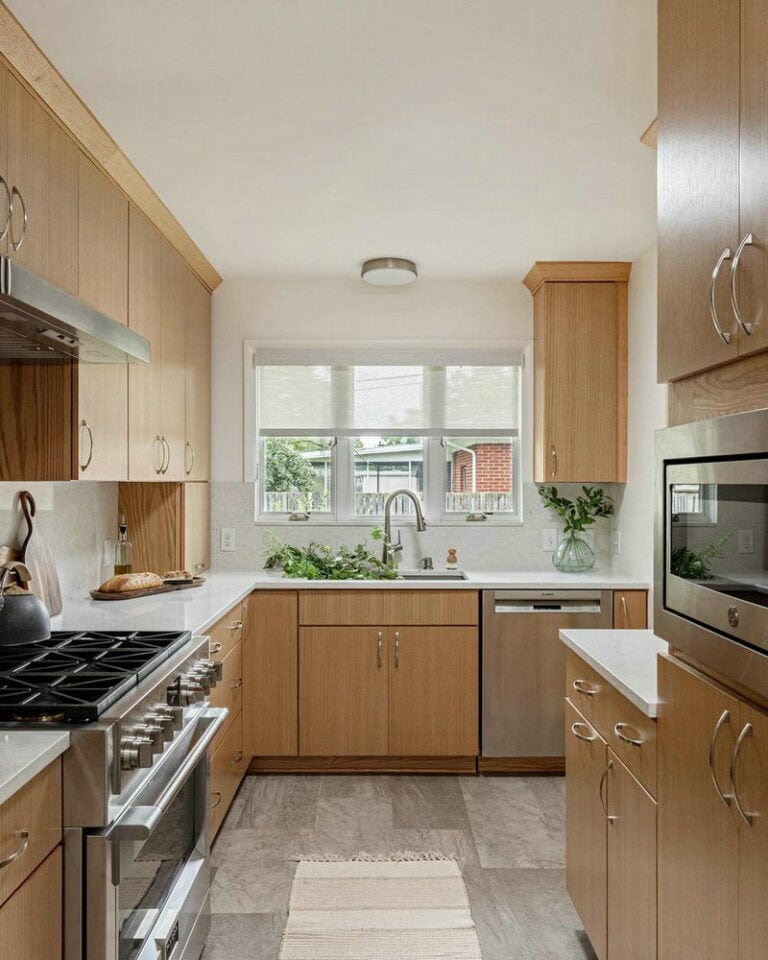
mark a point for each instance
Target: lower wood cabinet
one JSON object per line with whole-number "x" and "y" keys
{"x": 630, "y": 609}
{"x": 228, "y": 764}
{"x": 31, "y": 921}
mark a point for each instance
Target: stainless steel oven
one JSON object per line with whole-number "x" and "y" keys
{"x": 711, "y": 597}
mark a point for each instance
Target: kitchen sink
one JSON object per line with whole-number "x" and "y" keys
{"x": 432, "y": 575}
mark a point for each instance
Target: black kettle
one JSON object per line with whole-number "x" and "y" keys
{"x": 23, "y": 615}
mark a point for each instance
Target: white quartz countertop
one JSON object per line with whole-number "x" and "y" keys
{"x": 24, "y": 754}
{"x": 627, "y": 659}
{"x": 199, "y": 608}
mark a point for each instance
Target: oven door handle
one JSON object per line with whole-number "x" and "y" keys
{"x": 138, "y": 822}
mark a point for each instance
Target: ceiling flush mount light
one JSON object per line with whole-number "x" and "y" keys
{"x": 389, "y": 271}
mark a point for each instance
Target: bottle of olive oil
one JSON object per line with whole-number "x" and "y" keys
{"x": 123, "y": 550}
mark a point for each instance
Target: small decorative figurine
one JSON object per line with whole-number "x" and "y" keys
{"x": 452, "y": 561}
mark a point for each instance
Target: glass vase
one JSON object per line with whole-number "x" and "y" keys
{"x": 573, "y": 555}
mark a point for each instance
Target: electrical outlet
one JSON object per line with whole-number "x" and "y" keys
{"x": 746, "y": 541}
{"x": 589, "y": 536}
{"x": 227, "y": 539}
{"x": 549, "y": 539}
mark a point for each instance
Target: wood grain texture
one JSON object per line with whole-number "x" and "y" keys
{"x": 732, "y": 388}
{"x": 630, "y": 609}
{"x": 37, "y": 809}
{"x": 228, "y": 631}
{"x": 228, "y": 691}
{"x": 571, "y": 271}
{"x": 611, "y": 709}
{"x": 173, "y": 360}
{"x": 698, "y": 178}
{"x": 153, "y": 512}
{"x": 270, "y": 672}
{"x": 29, "y": 62}
{"x": 377, "y": 764}
{"x": 343, "y": 692}
{"x": 521, "y": 764}
{"x": 228, "y": 767}
{"x": 196, "y": 549}
{"x": 586, "y": 850}
{"x": 588, "y": 703}
{"x": 631, "y": 866}
{"x": 389, "y": 607}
{"x": 197, "y": 336}
{"x": 36, "y": 423}
{"x": 698, "y": 838}
{"x": 31, "y": 922}
{"x": 434, "y": 691}
{"x": 752, "y": 785}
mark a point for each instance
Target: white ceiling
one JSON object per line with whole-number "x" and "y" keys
{"x": 300, "y": 137}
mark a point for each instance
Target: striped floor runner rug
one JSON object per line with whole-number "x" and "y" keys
{"x": 379, "y": 910}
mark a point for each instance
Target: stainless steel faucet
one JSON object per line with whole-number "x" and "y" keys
{"x": 391, "y": 550}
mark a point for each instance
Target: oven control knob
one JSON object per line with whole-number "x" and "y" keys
{"x": 173, "y": 713}
{"x": 163, "y": 722}
{"x": 190, "y": 690}
{"x": 201, "y": 676}
{"x": 135, "y": 752}
{"x": 214, "y": 667}
{"x": 152, "y": 732}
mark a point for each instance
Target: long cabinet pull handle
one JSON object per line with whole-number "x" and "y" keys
{"x": 397, "y": 650}
{"x": 746, "y": 241}
{"x": 188, "y": 446}
{"x": 217, "y": 801}
{"x": 19, "y": 852}
{"x": 725, "y": 717}
{"x": 619, "y": 729}
{"x": 7, "y": 226}
{"x": 159, "y": 470}
{"x": 379, "y": 650}
{"x": 603, "y": 803}
{"x": 725, "y": 255}
{"x": 236, "y": 625}
{"x": 16, "y": 244}
{"x": 582, "y": 686}
{"x": 85, "y": 426}
{"x": 624, "y": 611}
{"x": 746, "y": 731}
{"x": 553, "y": 454}
{"x": 216, "y": 647}
{"x": 167, "y": 447}
{"x": 575, "y": 727}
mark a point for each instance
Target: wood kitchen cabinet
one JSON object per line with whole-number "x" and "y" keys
{"x": 173, "y": 361}
{"x": 31, "y": 922}
{"x": 197, "y": 337}
{"x": 580, "y": 371}
{"x": 630, "y": 609}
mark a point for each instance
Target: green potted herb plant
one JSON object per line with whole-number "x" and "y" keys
{"x": 574, "y": 554}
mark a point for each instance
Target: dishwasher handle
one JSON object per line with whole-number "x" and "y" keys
{"x": 547, "y": 606}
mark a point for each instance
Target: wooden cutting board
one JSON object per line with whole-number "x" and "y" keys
{"x": 167, "y": 587}
{"x": 37, "y": 556}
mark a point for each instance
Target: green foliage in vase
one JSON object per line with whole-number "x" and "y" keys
{"x": 319, "y": 561}
{"x": 581, "y": 512}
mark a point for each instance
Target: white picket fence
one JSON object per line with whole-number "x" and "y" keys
{"x": 372, "y": 504}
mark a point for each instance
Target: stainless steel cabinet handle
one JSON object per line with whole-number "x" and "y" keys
{"x": 746, "y": 241}
{"x": 16, "y": 244}
{"x": 379, "y": 650}
{"x": 553, "y": 454}
{"x": 7, "y": 226}
{"x": 603, "y": 778}
{"x": 236, "y": 625}
{"x": 19, "y": 852}
{"x": 188, "y": 446}
{"x": 84, "y": 425}
{"x": 619, "y": 729}
{"x": 159, "y": 470}
{"x": 624, "y": 610}
{"x": 216, "y": 647}
{"x": 575, "y": 727}
{"x": 725, "y": 717}
{"x": 237, "y": 758}
{"x": 588, "y": 689}
{"x": 236, "y": 684}
{"x": 397, "y": 650}
{"x": 725, "y": 255}
{"x": 168, "y": 454}
{"x": 217, "y": 801}
{"x": 746, "y": 731}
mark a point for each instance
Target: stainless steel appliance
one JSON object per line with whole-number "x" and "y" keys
{"x": 524, "y": 665}
{"x": 135, "y": 783}
{"x": 711, "y": 544}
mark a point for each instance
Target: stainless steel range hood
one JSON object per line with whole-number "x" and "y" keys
{"x": 40, "y": 322}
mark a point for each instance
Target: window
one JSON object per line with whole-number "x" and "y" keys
{"x": 334, "y": 438}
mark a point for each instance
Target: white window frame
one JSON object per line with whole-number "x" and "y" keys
{"x": 342, "y": 456}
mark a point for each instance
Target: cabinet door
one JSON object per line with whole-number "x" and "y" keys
{"x": 697, "y": 831}
{"x": 630, "y": 609}
{"x": 342, "y": 691}
{"x": 31, "y": 921}
{"x": 103, "y": 387}
{"x": 146, "y": 454}
{"x": 197, "y": 527}
{"x": 631, "y": 866}
{"x": 5, "y": 199}
{"x": 43, "y": 166}
{"x": 698, "y": 179}
{"x": 173, "y": 360}
{"x": 433, "y": 691}
{"x": 228, "y": 766}
{"x": 580, "y": 348}
{"x": 585, "y": 826}
{"x": 197, "y": 464}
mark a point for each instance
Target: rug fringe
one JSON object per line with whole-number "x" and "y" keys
{"x": 403, "y": 856}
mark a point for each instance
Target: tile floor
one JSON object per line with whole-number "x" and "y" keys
{"x": 508, "y": 832}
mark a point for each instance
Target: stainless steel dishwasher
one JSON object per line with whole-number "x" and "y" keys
{"x": 524, "y": 666}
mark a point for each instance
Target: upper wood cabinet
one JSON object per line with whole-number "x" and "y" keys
{"x": 712, "y": 166}
{"x": 580, "y": 371}
{"x": 197, "y": 337}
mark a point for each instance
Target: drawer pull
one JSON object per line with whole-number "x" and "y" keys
{"x": 746, "y": 731}
{"x": 379, "y": 650}
{"x": 603, "y": 804}
{"x": 217, "y": 795}
{"x": 588, "y": 689}
{"x": 236, "y": 625}
{"x": 17, "y": 854}
{"x": 397, "y": 650}
{"x": 237, "y": 758}
{"x": 216, "y": 647}
{"x": 575, "y": 727}
{"x": 725, "y": 717}
{"x": 236, "y": 683}
{"x": 619, "y": 731}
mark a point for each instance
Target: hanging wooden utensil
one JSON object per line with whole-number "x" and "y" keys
{"x": 36, "y": 555}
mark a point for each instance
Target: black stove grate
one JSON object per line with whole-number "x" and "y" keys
{"x": 75, "y": 677}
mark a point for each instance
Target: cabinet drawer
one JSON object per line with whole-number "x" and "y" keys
{"x": 35, "y": 810}
{"x": 630, "y": 734}
{"x": 388, "y": 607}
{"x": 227, "y": 768}
{"x": 225, "y": 633}
{"x": 228, "y": 692}
{"x": 584, "y": 687}
{"x": 31, "y": 921}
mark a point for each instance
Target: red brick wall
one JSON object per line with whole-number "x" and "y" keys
{"x": 494, "y": 468}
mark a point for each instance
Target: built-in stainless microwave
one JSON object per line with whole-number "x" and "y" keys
{"x": 711, "y": 554}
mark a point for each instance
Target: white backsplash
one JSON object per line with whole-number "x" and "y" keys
{"x": 481, "y": 546}
{"x": 74, "y": 518}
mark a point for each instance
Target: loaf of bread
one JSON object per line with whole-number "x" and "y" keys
{"x": 127, "y": 582}
{"x": 178, "y": 575}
